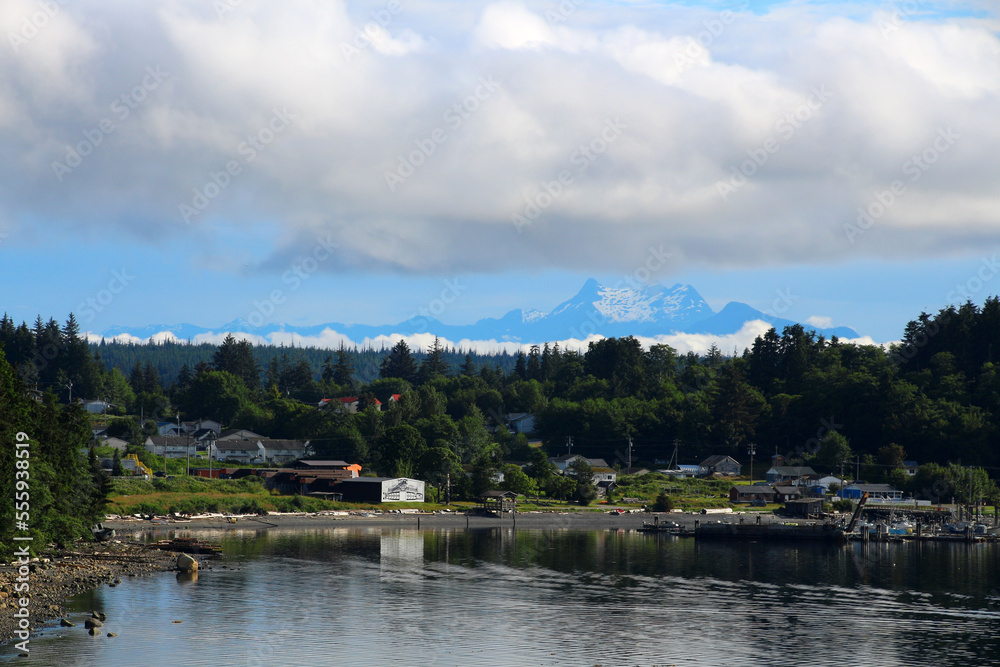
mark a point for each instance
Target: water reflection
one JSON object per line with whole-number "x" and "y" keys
{"x": 496, "y": 596}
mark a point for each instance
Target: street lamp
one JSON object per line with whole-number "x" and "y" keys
{"x": 751, "y": 449}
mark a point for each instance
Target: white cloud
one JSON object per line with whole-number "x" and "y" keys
{"x": 692, "y": 115}
{"x": 820, "y": 321}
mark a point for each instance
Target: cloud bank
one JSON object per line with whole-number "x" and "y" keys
{"x": 415, "y": 134}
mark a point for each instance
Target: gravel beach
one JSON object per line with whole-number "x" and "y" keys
{"x": 54, "y": 577}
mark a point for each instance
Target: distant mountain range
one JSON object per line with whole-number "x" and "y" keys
{"x": 648, "y": 310}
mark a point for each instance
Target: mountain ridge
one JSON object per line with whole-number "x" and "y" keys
{"x": 648, "y": 310}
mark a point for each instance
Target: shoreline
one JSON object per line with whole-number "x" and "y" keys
{"x": 581, "y": 520}
{"x": 57, "y": 575}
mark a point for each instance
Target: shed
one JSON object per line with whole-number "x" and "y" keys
{"x": 746, "y": 494}
{"x": 804, "y": 507}
{"x": 498, "y": 502}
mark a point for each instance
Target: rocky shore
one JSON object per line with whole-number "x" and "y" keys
{"x": 55, "y": 576}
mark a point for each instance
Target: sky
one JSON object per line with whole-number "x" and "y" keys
{"x": 311, "y": 162}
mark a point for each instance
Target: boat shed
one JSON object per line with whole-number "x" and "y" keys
{"x": 804, "y": 508}
{"x": 380, "y": 490}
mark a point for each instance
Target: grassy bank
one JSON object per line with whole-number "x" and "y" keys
{"x": 193, "y": 495}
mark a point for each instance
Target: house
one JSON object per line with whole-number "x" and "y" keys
{"x": 96, "y": 407}
{"x": 381, "y": 489}
{"x": 114, "y": 443}
{"x": 201, "y": 425}
{"x": 281, "y": 451}
{"x": 520, "y": 422}
{"x": 167, "y": 428}
{"x": 347, "y": 403}
{"x": 722, "y": 465}
{"x": 394, "y": 400}
{"x": 874, "y": 491}
{"x": 171, "y": 446}
{"x": 785, "y": 493}
{"x": 779, "y": 474}
{"x": 820, "y": 485}
{"x": 242, "y": 451}
{"x": 684, "y": 471}
{"x": 604, "y": 474}
{"x": 910, "y": 468}
{"x": 747, "y": 494}
{"x": 563, "y": 462}
{"x": 239, "y": 434}
{"x": 804, "y": 508}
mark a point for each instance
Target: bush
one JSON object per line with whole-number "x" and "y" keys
{"x": 664, "y": 503}
{"x": 842, "y": 505}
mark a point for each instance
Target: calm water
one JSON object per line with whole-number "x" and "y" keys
{"x": 356, "y": 596}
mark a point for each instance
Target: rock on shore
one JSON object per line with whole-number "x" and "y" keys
{"x": 55, "y": 576}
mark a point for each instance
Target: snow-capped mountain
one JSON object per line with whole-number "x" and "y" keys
{"x": 639, "y": 310}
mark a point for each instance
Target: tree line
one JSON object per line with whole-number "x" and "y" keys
{"x": 934, "y": 398}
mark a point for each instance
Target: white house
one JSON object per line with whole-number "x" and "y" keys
{"x": 239, "y": 434}
{"x": 171, "y": 446}
{"x": 279, "y": 451}
{"x": 242, "y": 451}
{"x": 96, "y": 407}
{"x": 520, "y": 422}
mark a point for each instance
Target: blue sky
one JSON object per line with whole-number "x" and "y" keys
{"x": 170, "y": 162}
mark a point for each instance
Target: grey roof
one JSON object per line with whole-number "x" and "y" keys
{"x": 785, "y": 490}
{"x": 796, "y": 471}
{"x": 717, "y": 459}
{"x": 754, "y": 489}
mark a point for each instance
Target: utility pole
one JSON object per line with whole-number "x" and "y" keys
{"x": 70, "y": 385}
{"x": 752, "y": 449}
{"x": 629, "y": 453}
{"x": 569, "y": 445}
